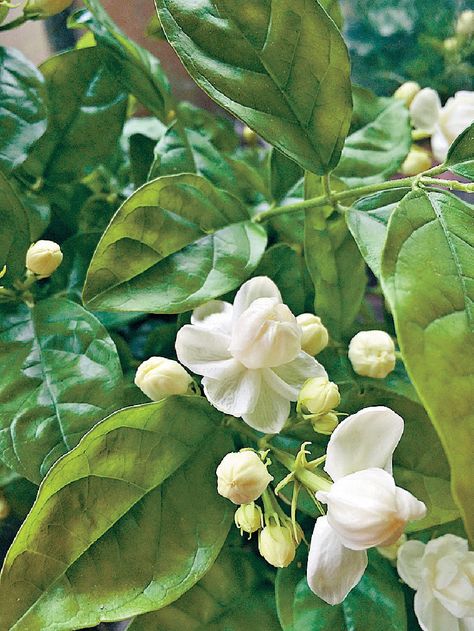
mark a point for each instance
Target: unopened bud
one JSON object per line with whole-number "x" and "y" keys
{"x": 424, "y": 110}
{"x": 43, "y": 258}
{"x": 249, "y": 136}
{"x": 277, "y": 545}
{"x": 248, "y": 518}
{"x": 391, "y": 552}
{"x": 465, "y": 23}
{"x": 315, "y": 336}
{"x": 159, "y": 377}
{"x": 318, "y": 396}
{"x": 46, "y": 8}
{"x": 407, "y": 91}
{"x": 242, "y": 477}
{"x": 372, "y": 354}
{"x": 416, "y": 162}
{"x": 450, "y": 44}
{"x": 325, "y": 424}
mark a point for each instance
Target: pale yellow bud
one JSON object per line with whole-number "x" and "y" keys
{"x": 391, "y": 552}
{"x": 407, "y": 91}
{"x": 450, "y": 44}
{"x": 416, "y": 162}
{"x": 46, "y": 8}
{"x": 325, "y": 424}
{"x": 159, "y": 377}
{"x": 465, "y": 23}
{"x": 248, "y": 518}
{"x": 277, "y": 545}
{"x": 43, "y": 258}
{"x": 372, "y": 354}
{"x": 318, "y": 396}
{"x": 242, "y": 477}
{"x": 249, "y": 136}
{"x": 315, "y": 336}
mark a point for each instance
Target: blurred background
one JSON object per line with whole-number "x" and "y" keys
{"x": 390, "y": 41}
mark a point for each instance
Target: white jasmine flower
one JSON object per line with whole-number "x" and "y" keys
{"x": 424, "y": 110}
{"x": 365, "y": 507}
{"x": 456, "y": 115}
{"x": 442, "y": 573}
{"x": 242, "y": 477}
{"x": 159, "y": 377}
{"x": 249, "y": 354}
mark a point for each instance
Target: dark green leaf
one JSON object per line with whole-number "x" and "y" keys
{"x": 22, "y": 107}
{"x": 460, "y": 158}
{"x": 284, "y": 174}
{"x": 61, "y": 375}
{"x": 219, "y": 130}
{"x": 427, "y": 268}
{"x": 170, "y": 247}
{"x": 132, "y": 512}
{"x": 287, "y": 78}
{"x": 376, "y": 151}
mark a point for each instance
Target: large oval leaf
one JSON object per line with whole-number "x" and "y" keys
{"x": 427, "y": 268}
{"x": 60, "y": 375}
{"x": 123, "y": 524}
{"x": 283, "y": 69}
{"x": 170, "y": 247}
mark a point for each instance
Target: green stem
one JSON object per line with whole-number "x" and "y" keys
{"x": 312, "y": 481}
{"x": 14, "y": 23}
{"x": 452, "y": 185}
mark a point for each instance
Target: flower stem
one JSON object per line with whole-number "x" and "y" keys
{"x": 14, "y": 23}
{"x": 312, "y": 481}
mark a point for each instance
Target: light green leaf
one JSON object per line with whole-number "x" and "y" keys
{"x": 22, "y": 107}
{"x": 232, "y": 596}
{"x": 137, "y": 69}
{"x": 175, "y": 243}
{"x": 460, "y": 158}
{"x": 132, "y": 511}
{"x": 375, "y": 152}
{"x": 427, "y": 267}
{"x": 85, "y": 102}
{"x": 61, "y": 374}
{"x": 286, "y": 77}
{"x": 334, "y": 263}
{"x": 333, "y": 9}
{"x": 367, "y": 220}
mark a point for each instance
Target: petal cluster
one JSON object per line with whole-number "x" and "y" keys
{"x": 249, "y": 355}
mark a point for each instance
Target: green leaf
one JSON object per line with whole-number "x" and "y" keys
{"x": 232, "y": 596}
{"x": 427, "y": 269}
{"x": 334, "y": 263}
{"x": 132, "y": 512}
{"x": 219, "y": 130}
{"x": 375, "y": 152}
{"x": 85, "y": 102}
{"x": 460, "y": 158}
{"x": 284, "y": 174}
{"x": 286, "y": 77}
{"x": 367, "y": 219}
{"x": 137, "y": 69}
{"x": 61, "y": 375}
{"x": 376, "y": 603}
{"x": 22, "y": 107}
{"x": 170, "y": 247}
{"x": 333, "y": 10}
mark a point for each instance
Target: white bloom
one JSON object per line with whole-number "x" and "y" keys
{"x": 249, "y": 354}
{"x": 43, "y": 258}
{"x": 424, "y": 110}
{"x": 442, "y": 573}
{"x": 365, "y": 507}
{"x": 315, "y": 336}
{"x": 372, "y": 354}
{"x": 456, "y": 115}
{"x": 159, "y": 377}
{"x": 465, "y": 23}
{"x": 242, "y": 477}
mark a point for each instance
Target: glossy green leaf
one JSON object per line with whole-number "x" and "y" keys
{"x": 333, "y": 9}
{"x": 137, "y": 69}
{"x": 61, "y": 375}
{"x": 375, "y": 152}
{"x": 232, "y": 596}
{"x": 219, "y": 130}
{"x": 174, "y": 244}
{"x": 376, "y": 603}
{"x": 22, "y": 107}
{"x": 284, "y": 174}
{"x": 460, "y": 158}
{"x": 427, "y": 269}
{"x": 132, "y": 512}
{"x": 334, "y": 263}
{"x": 286, "y": 77}
{"x": 85, "y": 102}
{"x": 367, "y": 220}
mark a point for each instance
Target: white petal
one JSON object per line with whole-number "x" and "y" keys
{"x": 439, "y": 145}
{"x": 333, "y": 570}
{"x": 409, "y": 564}
{"x": 362, "y": 441}
{"x": 258, "y": 287}
{"x": 237, "y": 394}
{"x": 205, "y": 352}
{"x": 466, "y": 624}
{"x": 431, "y": 614}
{"x": 289, "y": 378}
{"x": 425, "y": 109}
{"x": 215, "y": 315}
{"x": 271, "y": 411}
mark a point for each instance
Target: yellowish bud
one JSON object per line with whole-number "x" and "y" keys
{"x": 277, "y": 545}
{"x": 325, "y": 424}
{"x": 46, "y": 8}
{"x": 248, "y": 518}
{"x": 315, "y": 336}
{"x": 465, "y": 23}
{"x": 407, "y": 91}
{"x": 43, "y": 258}
{"x": 242, "y": 477}
{"x": 159, "y": 377}
{"x": 249, "y": 136}
{"x": 318, "y": 396}
{"x": 416, "y": 162}
{"x": 372, "y": 354}
{"x": 450, "y": 44}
